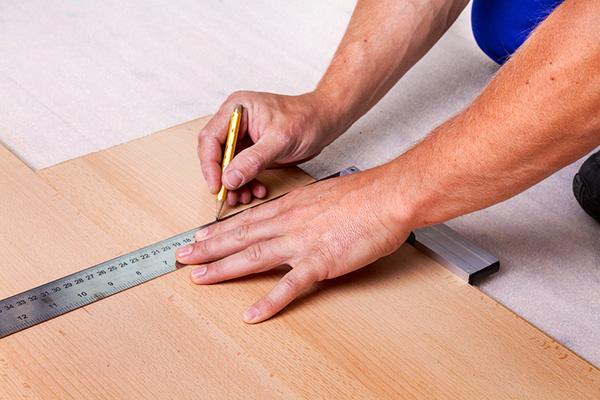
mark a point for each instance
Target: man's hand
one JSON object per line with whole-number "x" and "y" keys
{"x": 322, "y": 231}
{"x": 275, "y": 130}
{"x": 382, "y": 42}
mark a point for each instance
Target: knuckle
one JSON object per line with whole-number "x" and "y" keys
{"x": 235, "y": 96}
{"x": 316, "y": 271}
{"x": 214, "y": 269}
{"x": 204, "y": 233}
{"x": 247, "y": 215}
{"x": 240, "y": 233}
{"x": 256, "y": 161}
{"x": 291, "y": 214}
{"x": 289, "y": 285}
{"x": 202, "y": 135}
{"x": 210, "y": 129}
{"x": 295, "y": 193}
{"x": 204, "y": 131}
{"x": 201, "y": 247}
{"x": 279, "y": 207}
{"x": 253, "y": 253}
{"x": 268, "y": 306}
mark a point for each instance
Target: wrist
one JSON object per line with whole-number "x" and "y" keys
{"x": 399, "y": 197}
{"x": 328, "y": 115}
{"x": 348, "y": 100}
{"x": 430, "y": 179}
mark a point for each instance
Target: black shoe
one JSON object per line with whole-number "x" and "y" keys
{"x": 586, "y": 186}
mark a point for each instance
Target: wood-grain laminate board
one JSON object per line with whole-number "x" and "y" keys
{"x": 403, "y": 327}
{"x": 84, "y": 353}
{"x": 150, "y": 188}
{"x": 41, "y": 238}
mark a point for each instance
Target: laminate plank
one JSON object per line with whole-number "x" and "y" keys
{"x": 126, "y": 346}
{"x": 41, "y": 238}
{"x": 153, "y": 186}
{"x": 402, "y": 327}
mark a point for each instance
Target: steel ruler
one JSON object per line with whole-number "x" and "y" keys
{"x": 89, "y": 285}
{"x": 58, "y": 297}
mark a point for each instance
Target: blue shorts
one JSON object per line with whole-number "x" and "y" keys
{"x": 501, "y": 26}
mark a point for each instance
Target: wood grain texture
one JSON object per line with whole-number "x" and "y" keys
{"x": 153, "y": 186}
{"x": 403, "y": 327}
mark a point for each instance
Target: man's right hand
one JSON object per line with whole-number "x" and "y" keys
{"x": 276, "y": 130}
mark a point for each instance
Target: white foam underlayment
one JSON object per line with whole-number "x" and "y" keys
{"x": 78, "y": 77}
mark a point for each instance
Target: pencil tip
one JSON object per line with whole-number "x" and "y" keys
{"x": 219, "y": 209}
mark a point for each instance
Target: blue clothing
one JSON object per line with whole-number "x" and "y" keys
{"x": 501, "y": 26}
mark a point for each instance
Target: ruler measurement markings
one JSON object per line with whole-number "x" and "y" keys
{"x": 41, "y": 303}
{"x": 84, "y": 287}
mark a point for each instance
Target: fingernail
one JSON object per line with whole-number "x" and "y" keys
{"x": 198, "y": 273}
{"x": 250, "y": 314}
{"x": 184, "y": 251}
{"x": 201, "y": 234}
{"x": 234, "y": 178}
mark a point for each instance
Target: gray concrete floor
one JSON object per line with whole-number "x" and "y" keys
{"x": 78, "y": 77}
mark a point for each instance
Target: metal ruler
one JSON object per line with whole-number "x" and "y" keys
{"x": 58, "y": 297}
{"x": 94, "y": 283}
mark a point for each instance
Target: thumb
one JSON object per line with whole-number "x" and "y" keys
{"x": 250, "y": 162}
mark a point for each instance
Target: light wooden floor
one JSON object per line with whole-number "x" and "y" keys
{"x": 403, "y": 327}
{"x": 78, "y": 77}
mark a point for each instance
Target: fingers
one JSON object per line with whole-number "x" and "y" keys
{"x": 222, "y": 245}
{"x": 287, "y": 289}
{"x": 259, "y": 156}
{"x": 257, "y": 189}
{"x": 210, "y": 143}
{"x": 211, "y": 140}
{"x": 260, "y": 257}
{"x": 246, "y": 165}
{"x": 261, "y": 213}
{"x": 245, "y": 194}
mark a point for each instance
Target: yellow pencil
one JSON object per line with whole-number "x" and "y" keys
{"x": 234, "y": 128}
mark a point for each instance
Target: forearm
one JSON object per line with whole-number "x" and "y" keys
{"x": 539, "y": 114}
{"x": 384, "y": 39}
